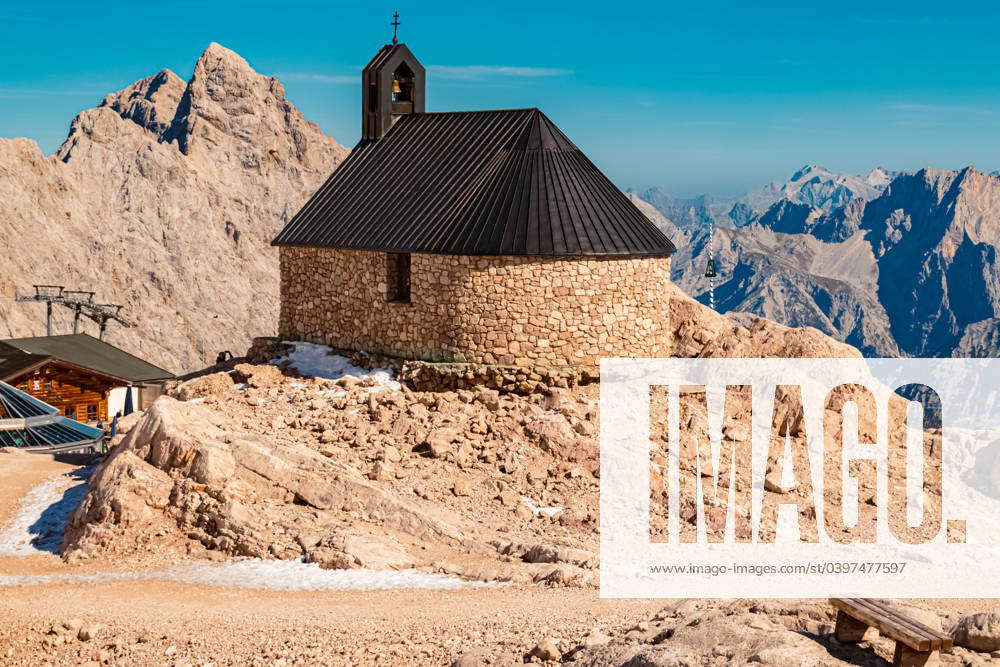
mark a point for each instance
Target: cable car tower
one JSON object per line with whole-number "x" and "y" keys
{"x": 711, "y": 270}
{"x": 81, "y": 303}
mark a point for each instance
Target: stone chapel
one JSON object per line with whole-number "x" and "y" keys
{"x": 470, "y": 236}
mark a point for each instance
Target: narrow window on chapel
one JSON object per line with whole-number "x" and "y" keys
{"x": 398, "y": 265}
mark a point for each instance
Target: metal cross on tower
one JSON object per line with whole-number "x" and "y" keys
{"x": 395, "y": 27}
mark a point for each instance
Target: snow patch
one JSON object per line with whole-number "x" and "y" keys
{"x": 318, "y": 361}
{"x": 272, "y": 575}
{"x": 539, "y": 511}
{"x": 41, "y": 520}
{"x": 39, "y": 523}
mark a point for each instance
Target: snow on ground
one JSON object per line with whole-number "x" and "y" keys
{"x": 538, "y": 511}
{"x": 317, "y": 361}
{"x": 40, "y": 521}
{"x": 273, "y": 575}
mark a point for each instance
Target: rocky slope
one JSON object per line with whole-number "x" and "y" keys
{"x": 349, "y": 474}
{"x": 164, "y": 198}
{"x": 793, "y": 278}
{"x": 912, "y": 272}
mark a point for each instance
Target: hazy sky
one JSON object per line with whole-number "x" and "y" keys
{"x": 694, "y": 96}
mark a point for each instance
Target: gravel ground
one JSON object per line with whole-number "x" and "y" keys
{"x": 168, "y": 623}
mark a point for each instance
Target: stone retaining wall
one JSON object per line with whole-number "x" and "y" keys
{"x": 516, "y": 311}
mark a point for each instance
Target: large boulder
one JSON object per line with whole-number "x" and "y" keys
{"x": 979, "y": 632}
{"x": 124, "y": 508}
{"x": 260, "y": 376}
{"x": 182, "y": 474}
{"x": 214, "y": 385}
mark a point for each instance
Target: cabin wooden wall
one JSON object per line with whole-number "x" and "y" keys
{"x": 68, "y": 390}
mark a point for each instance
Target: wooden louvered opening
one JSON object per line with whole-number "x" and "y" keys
{"x": 398, "y": 277}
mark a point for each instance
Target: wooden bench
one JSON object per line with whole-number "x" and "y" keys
{"x": 916, "y": 644}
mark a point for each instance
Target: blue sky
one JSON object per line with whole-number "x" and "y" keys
{"x": 707, "y": 96}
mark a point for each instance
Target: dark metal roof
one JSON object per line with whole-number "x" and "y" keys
{"x": 86, "y": 352}
{"x": 14, "y": 362}
{"x": 503, "y": 182}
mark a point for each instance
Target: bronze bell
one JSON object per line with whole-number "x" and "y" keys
{"x": 395, "y": 86}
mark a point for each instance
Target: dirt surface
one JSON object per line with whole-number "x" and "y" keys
{"x": 164, "y": 623}
{"x": 148, "y": 623}
{"x": 21, "y": 472}
{"x": 227, "y": 627}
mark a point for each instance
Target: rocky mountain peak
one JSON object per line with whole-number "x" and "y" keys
{"x": 218, "y": 71}
{"x": 226, "y": 101}
{"x": 879, "y": 177}
{"x": 909, "y": 272}
{"x": 164, "y": 198}
{"x": 217, "y": 57}
{"x": 150, "y": 102}
{"x": 809, "y": 171}
{"x": 789, "y": 217}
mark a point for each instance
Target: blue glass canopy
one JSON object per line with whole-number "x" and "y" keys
{"x": 27, "y": 422}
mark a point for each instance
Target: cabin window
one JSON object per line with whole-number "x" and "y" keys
{"x": 92, "y": 413}
{"x": 398, "y": 278}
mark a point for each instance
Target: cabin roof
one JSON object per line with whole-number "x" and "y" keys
{"x": 79, "y": 350}
{"x": 504, "y": 182}
{"x": 14, "y": 361}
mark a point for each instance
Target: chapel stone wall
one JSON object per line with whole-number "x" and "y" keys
{"x": 522, "y": 311}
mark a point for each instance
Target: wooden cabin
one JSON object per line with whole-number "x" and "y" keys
{"x": 85, "y": 378}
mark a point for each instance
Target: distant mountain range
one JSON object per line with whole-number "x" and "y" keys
{"x": 897, "y": 264}
{"x": 813, "y": 186}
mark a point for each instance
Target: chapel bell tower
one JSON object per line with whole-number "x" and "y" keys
{"x": 392, "y": 85}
